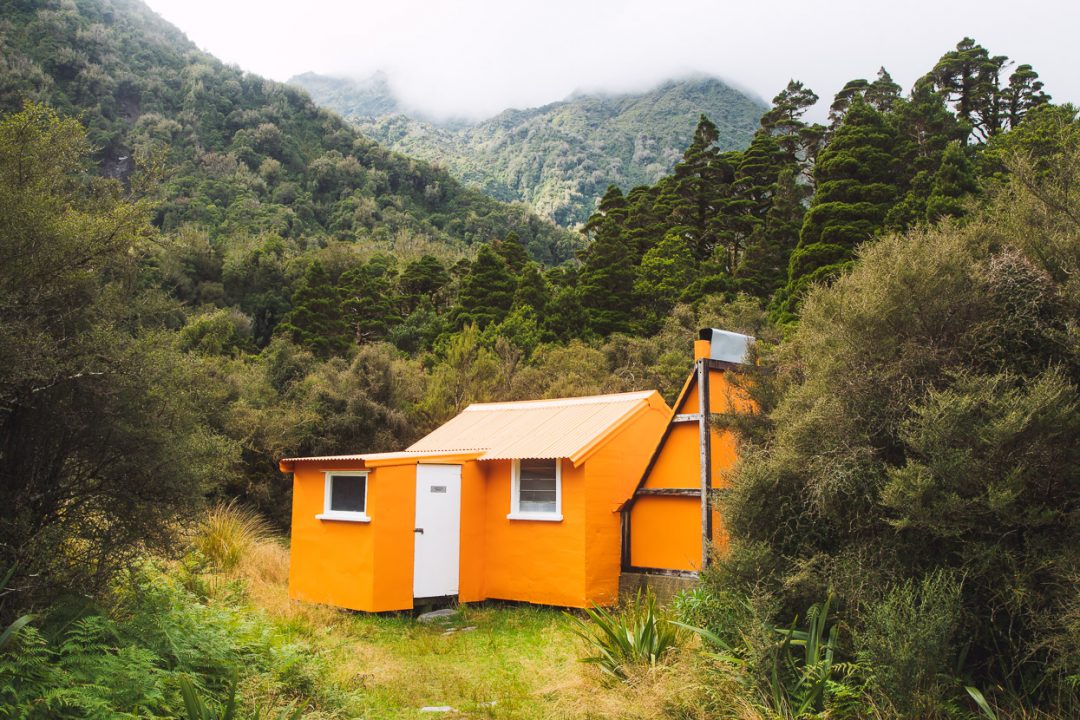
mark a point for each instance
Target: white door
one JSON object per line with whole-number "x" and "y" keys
{"x": 438, "y": 530}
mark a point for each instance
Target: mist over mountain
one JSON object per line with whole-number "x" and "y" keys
{"x": 369, "y": 97}
{"x": 241, "y": 155}
{"x": 558, "y": 158}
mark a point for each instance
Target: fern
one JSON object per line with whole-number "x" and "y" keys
{"x": 26, "y": 672}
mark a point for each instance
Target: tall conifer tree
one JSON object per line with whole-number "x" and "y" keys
{"x": 856, "y": 187}
{"x": 664, "y": 274}
{"x": 607, "y": 284}
{"x": 955, "y": 179}
{"x": 487, "y": 291}
{"x": 423, "y": 278}
{"x": 764, "y": 266}
{"x": 367, "y": 302}
{"x": 315, "y": 320}
{"x": 702, "y": 181}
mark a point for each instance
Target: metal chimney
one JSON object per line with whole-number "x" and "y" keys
{"x": 723, "y": 345}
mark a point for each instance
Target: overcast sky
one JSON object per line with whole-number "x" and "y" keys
{"x": 473, "y": 58}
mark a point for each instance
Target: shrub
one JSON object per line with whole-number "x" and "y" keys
{"x": 907, "y": 639}
{"x": 926, "y": 420}
{"x": 639, "y": 634}
{"x": 695, "y": 606}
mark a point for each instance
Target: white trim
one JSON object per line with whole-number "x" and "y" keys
{"x": 544, "y": 517}
{"x": 343, "y": 515}
{"x": 515, "y": 495}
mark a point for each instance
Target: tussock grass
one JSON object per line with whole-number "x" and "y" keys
{"x": 229, "y": 533}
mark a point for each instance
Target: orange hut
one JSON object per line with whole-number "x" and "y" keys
{"x": 510, "y": 501}
{"x": 669, "y": 525}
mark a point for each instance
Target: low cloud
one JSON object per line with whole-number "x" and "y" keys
{"x": 473, "y": 58}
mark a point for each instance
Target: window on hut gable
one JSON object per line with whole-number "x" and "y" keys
{"x": 536, "y": 490}
{"x": 345, "y": 497}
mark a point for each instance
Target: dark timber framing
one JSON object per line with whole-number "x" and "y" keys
{"x": 659, "y": 571}
{"x": 705, "y": 432}
{"x": 683, "y": 492}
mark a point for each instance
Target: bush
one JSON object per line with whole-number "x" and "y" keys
{"x": 640, "y": 634}
{"x": 927, "y": 422}
{"x": 907, "y": 641}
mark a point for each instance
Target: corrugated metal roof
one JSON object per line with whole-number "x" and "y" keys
{"x": 561, "y": 428}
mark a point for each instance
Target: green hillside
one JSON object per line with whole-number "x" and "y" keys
{"x": 559, "y": 158}
{"x": 239, "y": 152}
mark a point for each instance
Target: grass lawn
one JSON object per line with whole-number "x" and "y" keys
{"x": 490, "y": 660}
{"x": 486, "y": 661}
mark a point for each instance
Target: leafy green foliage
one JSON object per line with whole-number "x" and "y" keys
{"x": 909, "y": 641}
{"x": 197, "y": 709}
{"x": 104, "y": 436}
{"x": 921, "y": 424}
{"x": 803, "y": 664}
{"x": 639, "y": 634}
{"x": 161, "y": 652}
{"x": 12, "y": 630}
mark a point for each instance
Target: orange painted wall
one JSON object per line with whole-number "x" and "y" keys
{"x": 474, "y": 494}
{"x": 611, "y": 474}
{"x": 666, "y": 533}
{"x": 724, "y": 397}
{"x": 534, "y": 560}
{"x": 331, "y": 562}
{"x": 678, "y": 465}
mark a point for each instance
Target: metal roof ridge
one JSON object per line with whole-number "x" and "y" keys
{"x": 561, "y": 402}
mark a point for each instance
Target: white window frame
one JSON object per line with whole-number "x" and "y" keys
{"x": 515, "y": 496}
{"x": 343, "y": 515}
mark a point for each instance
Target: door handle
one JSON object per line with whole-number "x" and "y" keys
{"x": 418, "y": 530}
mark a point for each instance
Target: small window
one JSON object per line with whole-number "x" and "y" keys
{"x": 345, "y": 497}
{"x": 536, "y": 490}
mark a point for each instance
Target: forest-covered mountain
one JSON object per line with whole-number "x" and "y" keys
{"x": 239, "y": 153}
{"x": 559, "y": 158}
